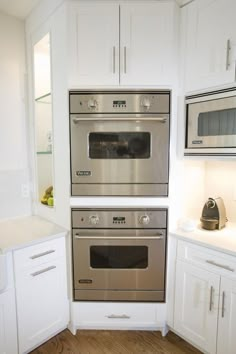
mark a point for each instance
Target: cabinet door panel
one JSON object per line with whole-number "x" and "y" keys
{"x": 94, "y": 44}
{"x": 208, "y": 60}
{"x": 8, "y": 332}
{"x": 147, "y": 43}
{"x": 195, "y": 318}
{"x": 227, "y": 318}
{"x": 42, "y": 304}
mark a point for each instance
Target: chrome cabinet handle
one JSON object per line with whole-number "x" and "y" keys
{"x": 228, "y": 48}
{"x": 125, "y": 64}
{"x": 43, "y": 271}
{"x": 114, "y": 60}
{"x": 42, "y": 254}
{"x": 118, "y": 316}
{"x": 223, "y": 305}
{"x": 211, "y": 298}
{"x": 220, "y": 265}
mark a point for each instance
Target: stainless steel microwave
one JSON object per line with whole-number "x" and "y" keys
{"x": 211, "y": 123}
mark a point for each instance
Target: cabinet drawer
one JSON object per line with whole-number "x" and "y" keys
{"x": 116, "y": 315}
{"x": 33, "y": 256}
{"x": 206, "y": 258}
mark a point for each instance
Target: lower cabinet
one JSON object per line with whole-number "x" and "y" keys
{"x": 205, "y": 299}
{"x": 8, "y": 329}
{"x": 226, "y": 343}
{"x": 196, "y": 310}
{"x": 41, "y": 293}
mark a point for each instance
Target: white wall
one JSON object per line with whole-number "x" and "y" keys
{"x": 220, "y": 181}
{"x": 13, "y": 141}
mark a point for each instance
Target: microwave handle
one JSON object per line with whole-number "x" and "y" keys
{"x": 156, "y": 119}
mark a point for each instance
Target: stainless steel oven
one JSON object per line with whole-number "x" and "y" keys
{"x": 119, "y": 254}
{"x": 119, "y": 143}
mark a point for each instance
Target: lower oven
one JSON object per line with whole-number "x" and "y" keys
{"x": 119, "y": 255}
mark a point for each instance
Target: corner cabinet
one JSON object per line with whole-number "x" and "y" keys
{"x": 122, "y": 43}
{"x": 209, "y": 44}
{"x": 205, "y": 298}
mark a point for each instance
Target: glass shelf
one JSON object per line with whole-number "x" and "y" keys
{"x": 44, "y": 98}
{"x": 44, "y": 152}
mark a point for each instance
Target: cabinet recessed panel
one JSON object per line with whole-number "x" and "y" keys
{"x": 196, "y": 305}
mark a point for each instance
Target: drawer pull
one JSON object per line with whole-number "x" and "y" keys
{"x": 223, "y": 305}
{"x": 43, "y": 271}
{"x": 220, "y": 265}
{"x": 42, "y": 254}
{"x": 211, "y": 298}
{"x": 125, "y": 317}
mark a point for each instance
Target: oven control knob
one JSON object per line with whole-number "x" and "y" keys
{"x": 94, "y": 219}
{"x": 92, "y": 103}
{"x": 146, "y": 103}
{"x": 144, "y": 219}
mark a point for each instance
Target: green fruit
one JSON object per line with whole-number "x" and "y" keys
{"x": 50, "y": 201}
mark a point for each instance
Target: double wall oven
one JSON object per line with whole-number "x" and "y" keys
{"x": 119, "y": 254}
{"x": 119, "y": 143}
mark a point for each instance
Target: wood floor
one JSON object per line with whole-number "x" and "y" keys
{"x": 115, "y": 342}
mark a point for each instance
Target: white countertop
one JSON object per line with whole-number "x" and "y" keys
{"x": 20, "y": 232}
{"x": 223, "y": 240}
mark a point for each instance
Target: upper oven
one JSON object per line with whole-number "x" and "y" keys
{"x": 119, "y": 143}
{"x": 211, "y": 123}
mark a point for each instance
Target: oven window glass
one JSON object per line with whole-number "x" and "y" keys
{"x": 217, "y": 123}
{"x": 119, "y": 257}
{"x": 120, "y": 145}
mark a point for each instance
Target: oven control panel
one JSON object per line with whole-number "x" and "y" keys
{"x": 119, "y": 218}
{"x": 135, "y": 102}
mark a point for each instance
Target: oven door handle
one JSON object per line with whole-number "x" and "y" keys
{"x": 85, "y": 119}
{"x": 161, "y": 237}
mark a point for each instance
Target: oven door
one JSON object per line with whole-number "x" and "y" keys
{"x": 119, "y": 260}
{"x": 212, "y": 123}
{"x": 119, "y": 150}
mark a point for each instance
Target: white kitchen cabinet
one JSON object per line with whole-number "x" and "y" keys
{"x": 205, "y": 298}
{"x": 126, "y": 43}
{"x": 8, "y": 326}
{"x": 94, "y": 43}
{"x": 195, "y": 309}
{"x": 118, "y": 315}
{"x": 8, "y": 331}
{"x": 209, "y": 43}
{"x": 226, "y": 343}
{"x": 41, "y": 292}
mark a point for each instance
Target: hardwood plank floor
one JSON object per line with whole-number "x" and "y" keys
{"x": 115, "y": 342}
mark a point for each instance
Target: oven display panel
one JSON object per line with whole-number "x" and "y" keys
{"x": 119, "y": 103}
{"x": 118, "y": 220}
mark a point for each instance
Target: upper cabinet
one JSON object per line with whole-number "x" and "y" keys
{"x": 209, "y": 42}
{"x": 122, "y": 43}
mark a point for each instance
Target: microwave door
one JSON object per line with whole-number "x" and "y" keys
{"x": 119, "y": 152}
{"x": 212, "y": 124}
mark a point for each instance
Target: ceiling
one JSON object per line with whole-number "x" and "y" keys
{"x": 22, "y": 8}
{"x": 18, "y": 8}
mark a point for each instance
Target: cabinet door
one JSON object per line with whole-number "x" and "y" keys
{"x": 227, "y": 318}
{"x": 210, "y": 38}
{"x": 8, "y": 332}
{"x": 42, "y": 304}
{"x": 147, "y": 43}
{"x": 93, "y": 44}
{"x": 196, "y": 305}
